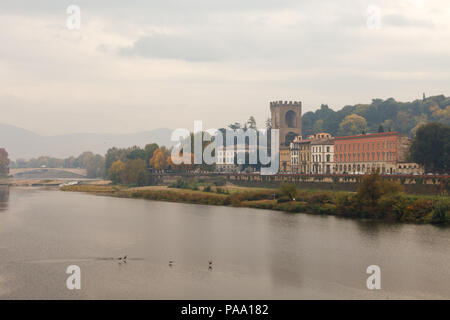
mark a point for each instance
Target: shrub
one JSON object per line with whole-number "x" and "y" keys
{"x": 346, "y": 204}
{"x": 220, "y": 181}
{"x": 184, "y": 184}
{"x": 392, "y": 206}
{"x": 441, "y": 212}
{"x": 373, "y": 187}
{"x": 418, "y": 211}
{"x": 207, "y": 189}
{"x": 283, "y": 199}
{"x": 321, "y": 198}
{"x": 288, "y": 190}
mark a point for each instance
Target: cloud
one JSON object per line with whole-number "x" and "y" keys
{"x": 175, "y": 47}
{"x": 398, "y": 20}
{"x": 140, "y": 64}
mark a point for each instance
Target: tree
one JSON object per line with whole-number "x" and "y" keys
{"x": 135, "y": 152}
{"x": 115, "y": 171}
{"x": 158, "y": 161}
{"x": 112, "y": 155}
{"x": 380, "y": 129}
{"x": 134, "y": 172}
{"x": 4, "y": 162}
{"x": 352, "y": 125}
{"x": 289, "y": 190}
{"x": 431, "y": 147}
{"x": 318, "y": 126}
{"x": 373, "y": 187}
{"x": 83, "y": 159}
{"x": 235, "y": 126}
{"x": 251, "y": 123}
{"x": 95, "y": 167}
{"x": 149, "y": 150}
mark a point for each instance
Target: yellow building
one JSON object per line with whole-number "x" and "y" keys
{"x": 285, "y": 160}
{"x": 300, "y": 155}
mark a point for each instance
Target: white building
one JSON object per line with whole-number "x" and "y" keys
{"x": 322, "y": 156}
{"x": 233, "y": 158}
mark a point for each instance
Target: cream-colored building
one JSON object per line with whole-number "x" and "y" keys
{"x": 322, "y": 156}
{"x": 300, "y": 155}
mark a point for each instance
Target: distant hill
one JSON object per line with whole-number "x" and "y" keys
{"x": 21, "y": 143}
{"x": 404, "y": 117}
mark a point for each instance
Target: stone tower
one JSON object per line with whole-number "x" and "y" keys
{"x": 287, "y": 117}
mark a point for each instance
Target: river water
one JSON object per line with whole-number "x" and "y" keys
{"x": 256, "y": 254}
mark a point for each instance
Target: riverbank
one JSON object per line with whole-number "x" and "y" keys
{"x": 396, "y": 207}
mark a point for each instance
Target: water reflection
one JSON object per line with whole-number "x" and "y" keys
{"x": 4, "y": 197}
{"x": 256, "y": 254}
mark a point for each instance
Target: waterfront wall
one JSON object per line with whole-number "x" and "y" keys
{"x": 429, "y": 185}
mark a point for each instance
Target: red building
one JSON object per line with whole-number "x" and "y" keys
{"x": 365, "y": 152}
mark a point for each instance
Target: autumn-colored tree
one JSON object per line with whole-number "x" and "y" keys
{"x": 134, "y": 172}
{"x": 352, "y": 125}
{"x": 158, "y": 161}
{"x": 373, "y": 186}
{"x": 4, "y": 162}
{"x": 171, "y": 165}
{"x": 149, "y": 150}
{"x": 115, "y": 172}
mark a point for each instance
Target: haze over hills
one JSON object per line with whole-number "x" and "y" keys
{"x": 22, "y": 143}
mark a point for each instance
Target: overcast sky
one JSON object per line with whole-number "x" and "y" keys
{"x": 139, "y": 65}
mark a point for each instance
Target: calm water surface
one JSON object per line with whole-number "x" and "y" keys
{"x": 256, "y": 253}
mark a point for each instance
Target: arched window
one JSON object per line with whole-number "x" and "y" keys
{"x": 291, "y": 119}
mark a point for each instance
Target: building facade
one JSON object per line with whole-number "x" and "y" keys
{"x": 322, "y": 156}
{"x": 300, "y": 155}
{"x": 409, "y": 168}
{"x": 366, "y": 152}
{"x": 285, "y": 159}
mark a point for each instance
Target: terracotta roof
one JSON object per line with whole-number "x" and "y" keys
{"x": 378, "y": 134}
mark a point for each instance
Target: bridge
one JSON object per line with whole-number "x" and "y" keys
{"x": 47, "y": 173}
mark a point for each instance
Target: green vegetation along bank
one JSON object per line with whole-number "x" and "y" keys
{"x": 375, "y": 199}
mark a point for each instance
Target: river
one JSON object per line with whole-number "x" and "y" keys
{"x": 255, "y": 254}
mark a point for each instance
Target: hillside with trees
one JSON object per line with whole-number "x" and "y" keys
{"x": 431, "y": 147}
{"x": 386, "y": 115}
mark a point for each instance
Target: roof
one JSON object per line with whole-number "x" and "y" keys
{"x": 367, "y": 135}
{"x": 323, "y": 142}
